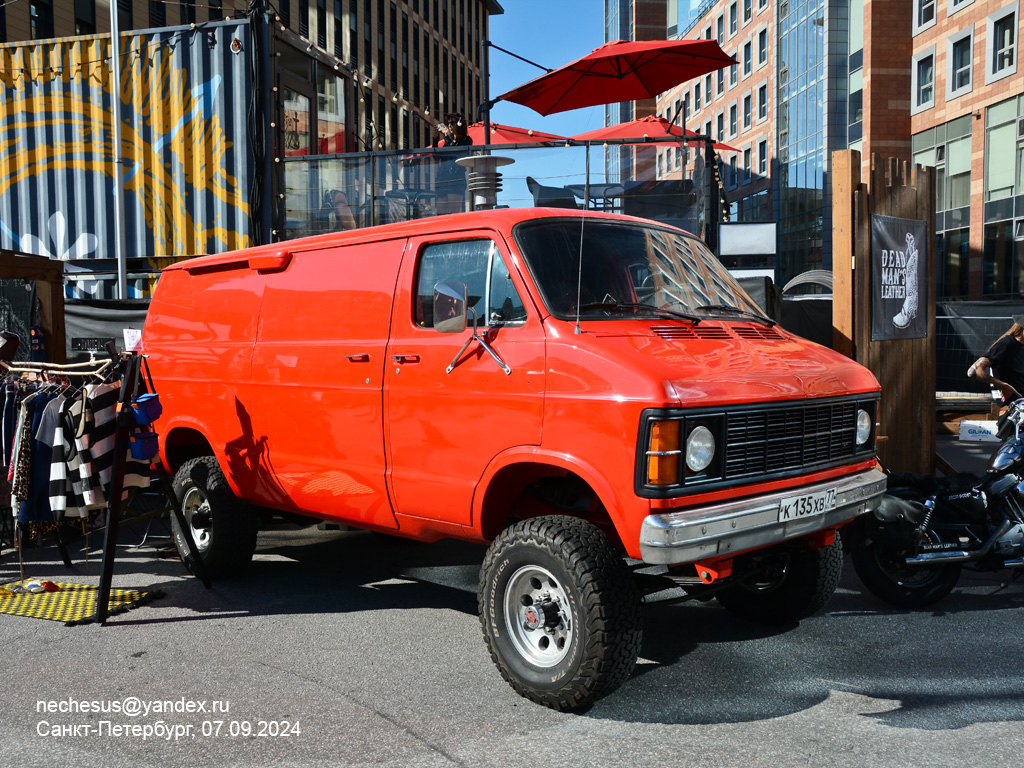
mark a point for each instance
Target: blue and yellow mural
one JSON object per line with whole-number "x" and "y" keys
{"x": 187, "y": 160}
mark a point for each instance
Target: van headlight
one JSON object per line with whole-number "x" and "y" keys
{"x": 700, "y": 449}
{"x": 864, "y": 425}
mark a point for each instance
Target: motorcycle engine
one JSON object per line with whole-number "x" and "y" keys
{"x": 1012, "y": 542}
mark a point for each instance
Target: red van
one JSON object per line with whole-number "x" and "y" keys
{"x": 592, "y": 395}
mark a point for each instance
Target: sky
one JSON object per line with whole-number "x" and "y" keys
{"x": 551, "y": 33}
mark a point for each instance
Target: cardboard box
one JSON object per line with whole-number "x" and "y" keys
{"x": 978, "y": 431}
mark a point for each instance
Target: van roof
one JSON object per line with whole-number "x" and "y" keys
{"x": 502, "y": 219}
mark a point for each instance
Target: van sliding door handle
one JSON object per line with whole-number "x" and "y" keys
{"x": 406, "y": 358}
{"x": 360, "y": 358}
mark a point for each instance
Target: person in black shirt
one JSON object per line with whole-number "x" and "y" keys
{"x": 451, "y": 177}
{"x": 1006, "y": 355}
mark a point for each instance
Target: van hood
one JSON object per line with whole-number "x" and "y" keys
{"x": 727, "y": 362}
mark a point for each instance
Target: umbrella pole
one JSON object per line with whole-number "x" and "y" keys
{"x": 586, "y": 185}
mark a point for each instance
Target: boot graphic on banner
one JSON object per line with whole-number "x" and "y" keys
{"x": 909, "y": 310}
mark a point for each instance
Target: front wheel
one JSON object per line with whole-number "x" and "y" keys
{"x": 789, "y": 586}
{"x": 560, "y": 612}
{"x": 223, "y": 526}
{"x": 887, "y": 576}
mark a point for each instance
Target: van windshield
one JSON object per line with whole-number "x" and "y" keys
{"x": 628, "y": 270}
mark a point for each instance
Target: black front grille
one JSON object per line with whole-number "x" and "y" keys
{"x": 764, "y": 442}
{"x": 769, "y": 441}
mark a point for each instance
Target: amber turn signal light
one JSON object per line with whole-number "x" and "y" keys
{"x": 663, "y": 456}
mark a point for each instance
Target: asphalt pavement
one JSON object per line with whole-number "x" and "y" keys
{"x": 348, "y": 649}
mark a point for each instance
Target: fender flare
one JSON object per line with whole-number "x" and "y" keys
{"x": 193, "y": 424}
{"x": 533, "y": 454}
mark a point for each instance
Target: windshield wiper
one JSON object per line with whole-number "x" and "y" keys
{"x": 622, "y": 306}
{"x": 729, "y": 309}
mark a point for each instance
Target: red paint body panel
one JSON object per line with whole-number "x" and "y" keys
{"x": 319, "y": 393}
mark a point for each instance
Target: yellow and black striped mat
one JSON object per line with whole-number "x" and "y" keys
{"x": 73, "y": 604}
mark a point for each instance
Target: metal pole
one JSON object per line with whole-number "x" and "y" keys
{"x": 119, "y": 245}
{"x": 487, "y": 91}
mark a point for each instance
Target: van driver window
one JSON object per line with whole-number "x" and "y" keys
{"x": 478, "y": 264}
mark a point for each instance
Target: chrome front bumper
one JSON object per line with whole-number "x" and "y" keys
{"x": 735, "y": 526}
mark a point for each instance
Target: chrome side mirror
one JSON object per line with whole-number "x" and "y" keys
{"x": 450, "y": 307}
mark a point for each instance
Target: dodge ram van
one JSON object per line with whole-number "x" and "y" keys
{"x": 591, "y": 395}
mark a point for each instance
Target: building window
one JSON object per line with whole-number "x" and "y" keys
{"x": 747, "y": 112}
{"x": 748, "y": 58}
{"x": 157, "y": 13}
{"x": 41, "y": 19}
{"x": 954, "y": 6}
{"x": 734, "y": 20}
{"x": 1000, "y": 146}
{"x": 696, "y": 98}
{"x": 959, "y": 53}
{"x": 922, "y": 75}
{"x": 85, "y": 17}
{"x": 761, "y": 5}
{"x": 721, "y": 82}
{"x": 707, "y": 32}
{"x": 924, "y": 15}
{"x": 720, "y": 23}
{"x": 732, "y": 119}
{"x": 707, "y": 89}
{"x": 856, "y": 111}
{"x": 746, "y": 165}
{"x": 1002, "y": 262}
{"x": 733, "y": 176}
{"x": 748, "y": 11}
{"x": 1001, "y": 44}
{"x": 762, "y": 47}
{"x": 734, "y": 71}
{"x": 720, "y": 134}
{"x": 762, "y": 157}
{"x": 762, "y": 103}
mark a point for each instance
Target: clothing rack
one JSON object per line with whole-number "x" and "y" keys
{"x": 100, "y": 371}
{"x": 131, "y": 382}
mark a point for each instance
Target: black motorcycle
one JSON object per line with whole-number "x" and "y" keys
{"x": 909, "y": 551}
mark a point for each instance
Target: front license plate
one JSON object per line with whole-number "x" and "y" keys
{"x": 808, "y": 505}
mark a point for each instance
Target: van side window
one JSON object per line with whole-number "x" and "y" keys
{"x": 478, "y": 264}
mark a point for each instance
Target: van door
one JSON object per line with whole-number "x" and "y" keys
{"x": 318, "y": 370}
{"x": 443, "y": 429}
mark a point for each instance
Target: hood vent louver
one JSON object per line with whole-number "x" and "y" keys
{"x": 684, "y": 332}
{"x": 757, "y": 333}
{"x": 716, "y": 332}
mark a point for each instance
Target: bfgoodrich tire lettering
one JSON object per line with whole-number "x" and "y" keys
{"x": 559, "y": 611}
{"x": 223, "y": 526}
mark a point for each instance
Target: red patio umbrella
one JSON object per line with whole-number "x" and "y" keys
{"x": 509, "y": 134}
{"x": 642, "y": 128}
{"x": 623, "y": 70}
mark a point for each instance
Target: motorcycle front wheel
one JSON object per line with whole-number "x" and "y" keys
{"x": 887, "y": 576}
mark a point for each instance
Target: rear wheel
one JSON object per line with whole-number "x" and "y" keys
{"x": 789, "y": 586}
{"x": 887, "y": 576}
{"x": 223, "y": 526}
{"x": 560, "y": 612}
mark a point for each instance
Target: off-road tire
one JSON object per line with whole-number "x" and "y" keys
{"x": 804, "y": 585}
{"x": 598, "y": 611}
{"x": 884, "y": 574}
{"x": 227, "y": 544}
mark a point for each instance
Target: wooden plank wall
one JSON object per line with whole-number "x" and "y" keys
{"x": 904, "y": 368}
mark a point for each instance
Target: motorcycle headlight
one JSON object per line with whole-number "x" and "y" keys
{"x": 863, "y": 426}
{"x": 700, "y": 449}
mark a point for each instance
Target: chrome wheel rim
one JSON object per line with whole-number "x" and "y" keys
{"x": 196, "y": 501}
{"x": 538, "y": 616}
